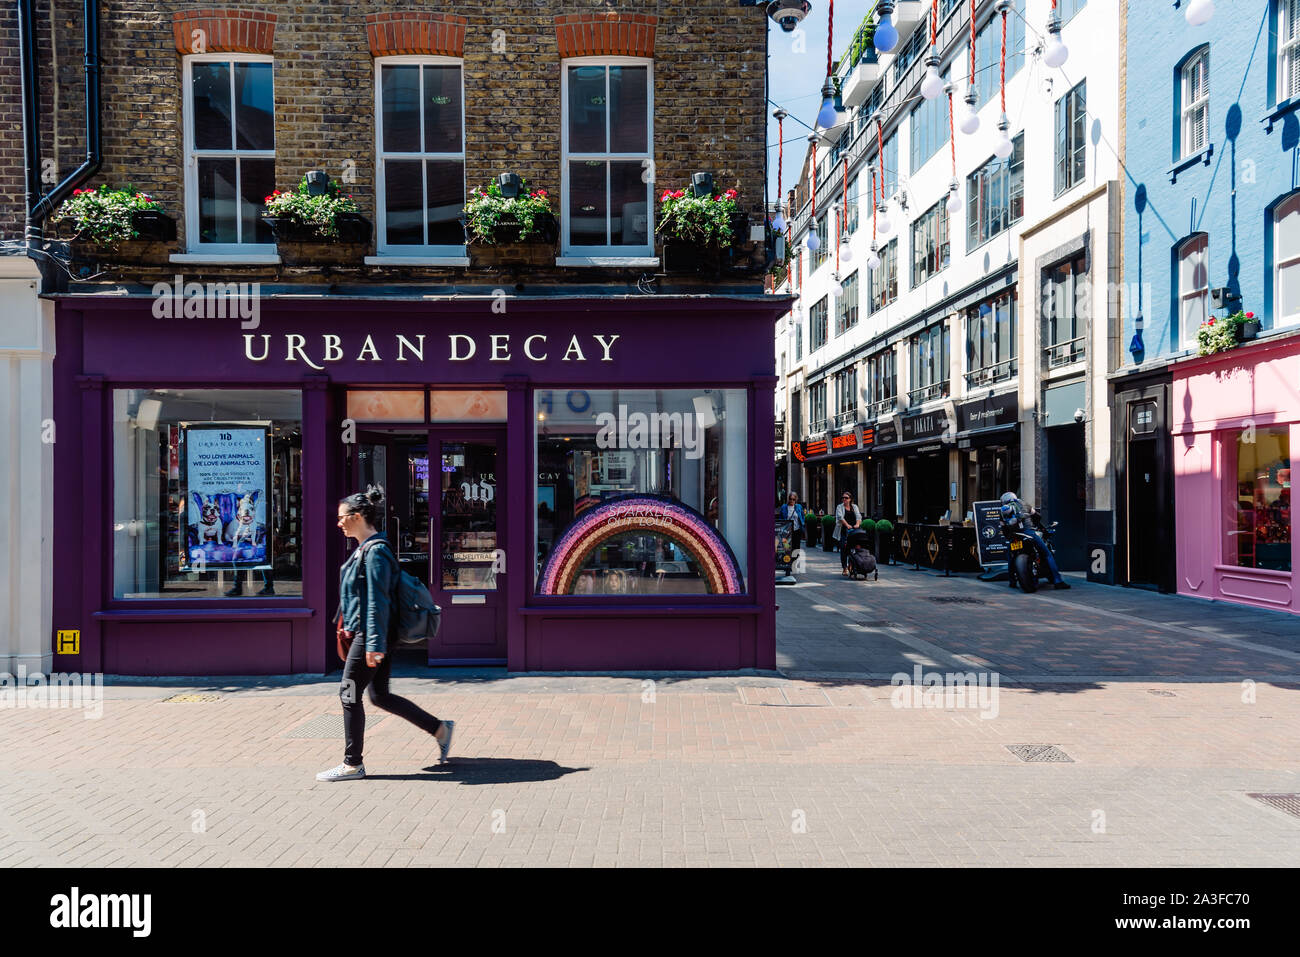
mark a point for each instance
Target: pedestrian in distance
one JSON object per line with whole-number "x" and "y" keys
{"x": 366, "y": 622}
{"x": 847, "y": 518}
{"x": 792, "y": 510}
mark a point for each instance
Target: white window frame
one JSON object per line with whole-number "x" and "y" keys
{"x": 1185, "y": 249}
{"x": 1288, "y": 11}
{"x": 1192, "y": 107}
{"x": 569, "y": 253}
{"x": 192, "y": 157}
{"x": 1279, "y": 213}
{"x": 391, "y": 253}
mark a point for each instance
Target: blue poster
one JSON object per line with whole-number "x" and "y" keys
{"x": 227, "y": 484}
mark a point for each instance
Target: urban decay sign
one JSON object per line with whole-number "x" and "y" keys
{"x": 319, "y": 349}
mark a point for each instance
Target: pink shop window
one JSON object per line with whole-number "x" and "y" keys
{"x": 1257, "y": 498}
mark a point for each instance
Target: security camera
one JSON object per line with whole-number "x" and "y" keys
{"x": 1078, "y": 415}
{"x": 788, "y": 13}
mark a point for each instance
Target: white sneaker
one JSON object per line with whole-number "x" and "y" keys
{"x": 344, "y": 772}
{"x": 445, "y": 744}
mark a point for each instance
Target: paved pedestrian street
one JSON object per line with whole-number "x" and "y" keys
{"x": 1111, "y": 727}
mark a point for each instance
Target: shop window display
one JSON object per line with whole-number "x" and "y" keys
{"x": 207, "y": 493}
{"x": 1258, "y": 523}
{"x": 641, "y": 492}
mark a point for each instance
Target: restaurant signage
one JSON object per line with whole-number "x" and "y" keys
{"x": 868, "y": 436}
{"x": 927, "y": 425}
{"x": 886, "y": 434}
{"x": 988, "y": 412}
{"x": 845, "y": 441}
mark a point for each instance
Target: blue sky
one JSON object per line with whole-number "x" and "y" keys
{"x": 796, "y": 70}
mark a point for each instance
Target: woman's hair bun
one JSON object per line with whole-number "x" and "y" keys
{"x": 375, "y": 493}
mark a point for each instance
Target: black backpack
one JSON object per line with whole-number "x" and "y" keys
{"x": 418, "y": 617}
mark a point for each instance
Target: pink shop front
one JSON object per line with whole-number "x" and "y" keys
{"x": 1236, "y": 426}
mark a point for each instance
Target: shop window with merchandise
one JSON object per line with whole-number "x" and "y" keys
{"x": 1257, "y": 521}
{"x": 207, "y": 493}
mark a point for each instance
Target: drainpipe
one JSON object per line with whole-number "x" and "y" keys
{"x": 39, "y": 207}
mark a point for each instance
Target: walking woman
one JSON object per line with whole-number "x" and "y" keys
{"x": 367, "y": 583}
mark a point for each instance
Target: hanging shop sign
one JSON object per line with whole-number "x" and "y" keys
{"x": 227, "y": 480}
{"x": 925, "y": 426}
{"x": 802, "y": 451}
{"x": 868, "y": 436}
{"x": 991, "y": 411}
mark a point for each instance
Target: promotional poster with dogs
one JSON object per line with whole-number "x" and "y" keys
{"x": 227, "y": 482}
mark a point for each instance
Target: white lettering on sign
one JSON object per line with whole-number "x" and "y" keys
{"x": 319, "y": 349}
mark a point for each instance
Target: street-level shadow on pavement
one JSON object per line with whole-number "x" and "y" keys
{"x": 486, "y": 771}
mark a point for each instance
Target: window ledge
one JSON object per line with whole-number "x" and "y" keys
{"x": 1279, "y": 110}
{"x": 618, "y": 261}
{"x": 417, "y": 260}
{"x": 1187, "y": 162}
{"x": 248, "y": 259}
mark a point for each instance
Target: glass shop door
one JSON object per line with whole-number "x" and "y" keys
{"x": 467, "y": 536}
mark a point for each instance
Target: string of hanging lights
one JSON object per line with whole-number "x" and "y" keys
{"x": 873, "y": 258}
{"x": 778, "y": 223}
{"x": 952, "y": 203}
{"x": 880, "y": 160}
{"x": 811, "y": 241}
{"x": 1002, "y": 146}
{"x": 932, "y": 85}
{"x": 847, "y": 254}
{"x": 970, "y": 122}
{"x": 832, "y": 111}
{"x": 1055, "y": 52}
{"x": 885, "y": 36}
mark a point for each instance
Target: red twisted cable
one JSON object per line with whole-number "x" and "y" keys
{"x": 952, "y": 139}
{"x": 971, "y": 81}
{"x": 934, "y": 22}
{"x": 873, "y": 206}
{"x": 880, "y": 157}
{"x": 780, "y": 161}
{"x": 1004, "y": 61}
{"x": 830, "y": 33}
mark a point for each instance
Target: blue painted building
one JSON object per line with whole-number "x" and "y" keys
{"x": 1212, "y": 122}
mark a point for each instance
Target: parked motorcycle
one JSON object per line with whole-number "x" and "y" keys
{"x": 1026, "y": 562}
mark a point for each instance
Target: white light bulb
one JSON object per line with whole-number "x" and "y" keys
{"x": 970, "y": 121}
{"x": 932, "y": 85}
{"x": 779, "y": 223}
{"x": 846, "y": 253}
{"x": 1199, "y": 12}
{"x": 811, "y": 241}
{"x": 882, "y": 220}
{"x": 836, "y": 288}
{"x": 1056, "y": 52}
{"x": 873, "y": 260}
{"x": 953, "y": 202}
{"x": 1003, "y": 147}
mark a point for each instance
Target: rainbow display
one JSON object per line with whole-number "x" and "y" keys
{"x": 684, "y": 526}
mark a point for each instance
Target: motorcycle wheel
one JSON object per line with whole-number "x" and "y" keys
{"x": 1024, "y": 569}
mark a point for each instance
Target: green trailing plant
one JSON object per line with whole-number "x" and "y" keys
{"x": 104, "y": 215}
{"x": 487, "y": 210}
{"x": 320, "y": 213}
{"x": 705, "y": 220}
{"x": 1220, "y": 334}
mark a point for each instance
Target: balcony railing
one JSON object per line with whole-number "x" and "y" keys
{"x": 939, "y": 390}
{"x": 882, "y": 407}
{"x": 816, "y": 426}
{"x": 990, "y": 375}
{"x": 1064, "y": 353}
{"x": 845, "y": 418}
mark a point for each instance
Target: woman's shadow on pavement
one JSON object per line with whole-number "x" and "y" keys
{"x": 486, "y": 771}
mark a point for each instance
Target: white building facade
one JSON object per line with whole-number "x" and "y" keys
{"x": 973, "y": 359}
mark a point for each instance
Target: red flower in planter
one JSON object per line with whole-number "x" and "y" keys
{"x": 730, "y": 194}
{"x": 666, "y": 196}
{"x": 541, "y": 192}
{"x": 679, "y": 194}
{"x": 1250, "y": 315}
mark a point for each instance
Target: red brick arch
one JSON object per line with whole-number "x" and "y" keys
{"x": 606, "y": 34}
{"x": 428, "y": 34}
{"x": 224, "y": 31}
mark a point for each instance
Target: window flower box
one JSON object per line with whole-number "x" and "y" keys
{"x": 700, "y": 234}
{"x": 502, "y": 230}
{"x": 118, "y": 224}
{"x": 317, "y": 228}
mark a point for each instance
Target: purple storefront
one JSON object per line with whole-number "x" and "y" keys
{"x": 583, "y": 483}
{"x": 1236, "y": 424}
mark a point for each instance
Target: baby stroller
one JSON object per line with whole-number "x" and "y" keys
{"x": 861, "y": 562}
